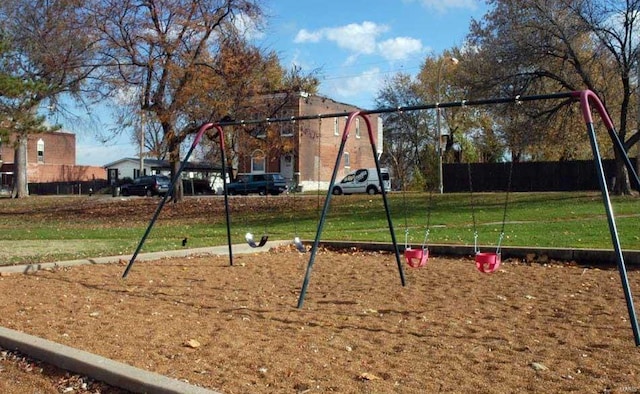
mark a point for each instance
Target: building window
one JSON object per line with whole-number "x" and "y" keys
{"x": 137, "y": 174}
{"x": 346, "y": 159}
{"x": 258, "y": 161}
{"x": 357, "y": 127}
{"x": 287, "y": 128}
{"x": 40, "y": 147}
{"x": 336, "y": 126}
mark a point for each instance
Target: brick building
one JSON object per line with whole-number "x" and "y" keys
{"x": 305, "y": 151}
{"x": 51, "y": 157}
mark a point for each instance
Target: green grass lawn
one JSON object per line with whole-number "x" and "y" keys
{"x": 44, "y": 229}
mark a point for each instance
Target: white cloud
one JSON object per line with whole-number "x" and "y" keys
{"x": 443, "y": 6}
{"x": 399, "y": 48}
{"x": 305, "y": 35}
{"x": 354, "y": 37}
{"x": 366, "y": 83}
{"x": 359, "y": 38}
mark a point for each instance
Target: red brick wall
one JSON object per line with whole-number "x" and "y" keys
{"x": 315, "y": 143}
{"x": 59, "y": 148}
{"x": 40, "y": 173}
{"x": 325, "y": 151}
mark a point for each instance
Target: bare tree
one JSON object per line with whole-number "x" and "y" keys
{"x": 178, "y": 56}
{"x": 409, "y": 137}
{"x": 534, "y": 46}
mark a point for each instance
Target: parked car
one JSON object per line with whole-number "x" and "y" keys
{"x": 271, "y": 183}
{"x": 152, "y": 185}
{"x": 363, "y": 180}
{"x": 194, "y": 187}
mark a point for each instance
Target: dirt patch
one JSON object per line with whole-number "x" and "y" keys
{"x": 526, "y": 328}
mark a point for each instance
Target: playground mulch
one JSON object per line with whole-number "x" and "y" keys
{"x": 530, "y": 327}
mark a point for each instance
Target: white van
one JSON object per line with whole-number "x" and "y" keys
{"x": 363, "y": 180}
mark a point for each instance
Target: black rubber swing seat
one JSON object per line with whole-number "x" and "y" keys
{"x": 299, "y": 245}
{"x": 253, "y": 244}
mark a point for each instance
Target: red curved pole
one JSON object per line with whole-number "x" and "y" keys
{"x": 587, "y": 97}
{"x": 314, "y": 249}
{"x": 176, "y": 178}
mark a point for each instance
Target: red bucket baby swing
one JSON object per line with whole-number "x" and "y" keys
{"x": 488, "y": 262}
{"x": 417, "y": 258}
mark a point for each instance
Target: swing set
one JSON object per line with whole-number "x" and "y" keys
{"x": 485, "y": 262}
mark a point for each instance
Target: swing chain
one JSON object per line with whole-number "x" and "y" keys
{"x": 499, "y": 242}
{"x": 406, "y": 238}
{"x": 475, "y": 242}
{"x": 426, "y": 237}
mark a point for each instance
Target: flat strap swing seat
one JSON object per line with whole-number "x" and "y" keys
{"x": 299, "y": 245}
{"x": 253, "y": 244}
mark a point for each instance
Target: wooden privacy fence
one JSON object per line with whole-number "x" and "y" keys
{"x": 527, "y": 176}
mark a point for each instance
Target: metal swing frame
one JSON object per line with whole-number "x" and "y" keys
{"x": 325, "y": 209}
{"x": 176, "y": 178}
{"x": 586, "y": 99}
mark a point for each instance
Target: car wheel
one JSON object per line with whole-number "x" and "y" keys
{"x": 263, "y": 192}
{"x": 372, "y": 190}
{"x": 149, "y": 193}
{"x": 336, "y": 191}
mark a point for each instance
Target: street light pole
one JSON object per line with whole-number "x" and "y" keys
{"x": 454, "y": 61}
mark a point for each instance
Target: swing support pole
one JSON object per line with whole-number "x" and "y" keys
{"x": 176, "y": 178}
{"x": 586, "y": 97}
{"x": 327, "y": 201}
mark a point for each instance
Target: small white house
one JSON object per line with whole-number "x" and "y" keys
{"x": 129, "y": 167}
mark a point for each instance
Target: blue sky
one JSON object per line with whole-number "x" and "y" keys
{"x": 355, "y": 45}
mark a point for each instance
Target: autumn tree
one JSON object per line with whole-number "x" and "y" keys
{"x": 185, "y": 62}
{"x": 409, "y": 137}
{"x": 541, "y": 46}
{"x": 245, "y": 83}
{"x": 48, "y": 48}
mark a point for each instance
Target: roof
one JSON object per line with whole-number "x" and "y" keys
{"x": 166, "y": 165}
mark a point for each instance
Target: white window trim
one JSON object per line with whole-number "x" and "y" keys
{"x": 40, "y": 148}
{"x": 257, "y": 156}
{"x": 287, "y": 129}
{"x": 346, "y": 159}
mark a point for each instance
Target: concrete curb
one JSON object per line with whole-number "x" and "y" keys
{"x": 213, "y": 250}
{"x": 99, "y": 368}
{"x": 602, "y": 257}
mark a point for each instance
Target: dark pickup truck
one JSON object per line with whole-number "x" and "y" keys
{"x": 268, "y": 183}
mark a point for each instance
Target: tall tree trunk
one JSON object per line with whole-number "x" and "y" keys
{"x": 622, "y": 184}
{"x": 638, "y": 163}
{"x": 20, "y": 179}
{"x": 174, "y": 160}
